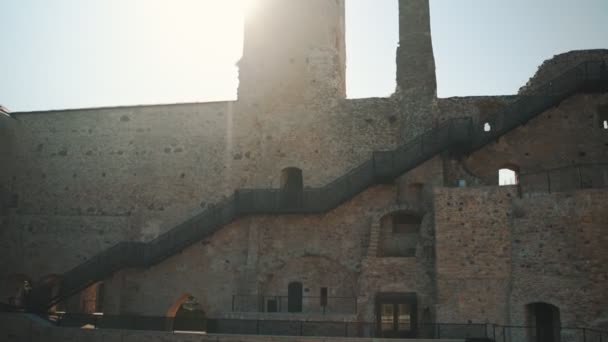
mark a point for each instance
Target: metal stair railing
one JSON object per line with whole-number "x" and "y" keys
{"x": 384, "y": 166}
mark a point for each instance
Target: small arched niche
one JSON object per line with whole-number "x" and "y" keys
{"x": 399, "y": 234}
{"x": 508, "y": 175}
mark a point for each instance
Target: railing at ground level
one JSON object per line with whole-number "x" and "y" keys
{"x": 573, "y": 177}
{"x": 278, "y": 327}
{"x": 308, "y": 304}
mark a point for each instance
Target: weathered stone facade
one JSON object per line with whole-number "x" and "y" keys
{"x": 75, "y": 182}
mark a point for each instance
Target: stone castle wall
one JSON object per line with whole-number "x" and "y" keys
{"x": 86, "y": 179}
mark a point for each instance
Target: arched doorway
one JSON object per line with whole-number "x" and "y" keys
{"x": 545, "y": 320}
{"x": 187, "y": 314}
{"x": 294, "y": 297}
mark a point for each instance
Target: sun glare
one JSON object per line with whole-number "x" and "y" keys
{"x": 248, "y": 6}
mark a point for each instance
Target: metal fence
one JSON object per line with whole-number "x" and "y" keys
{"x": 580, "y": 176}
{"x": 513, "y": 333}
{"x": 278, "y": 327}
{"x": 308, "y": 304}
{"x": 457, "y": 134}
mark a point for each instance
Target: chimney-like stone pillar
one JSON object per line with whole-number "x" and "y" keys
{"x": 416, "y": 81}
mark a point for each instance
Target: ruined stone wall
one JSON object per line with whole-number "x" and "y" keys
{"x": 324, "y": 143}
{"x": 559, "y": 64}
{"x": 560, "y": 255}
{"x": 258, "y": 255}
{"x": 497, "y": 252}
{"x": 473, "y": 251}
{"x": 87, "y": 179}
{"x": 565, "y": 135}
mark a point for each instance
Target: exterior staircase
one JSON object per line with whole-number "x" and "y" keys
{"x": 459, "y": 135}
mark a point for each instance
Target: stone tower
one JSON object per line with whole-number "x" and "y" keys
{"x": 294, "y": 53}
{"x": 416, "y": 80}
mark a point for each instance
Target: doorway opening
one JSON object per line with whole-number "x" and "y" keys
{"x": 545, "y": 320}
{"x": 292, "y": 186}
{"x": 294, "y": 297}
{"x": 396, "y": 315}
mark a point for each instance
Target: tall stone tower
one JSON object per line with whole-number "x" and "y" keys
{"x": 294, "y": 53}
{"x": 416, "y": 80}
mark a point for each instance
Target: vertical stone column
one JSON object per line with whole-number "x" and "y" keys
{"x": 293, "y": 53}
{"x": 416, "y": 81}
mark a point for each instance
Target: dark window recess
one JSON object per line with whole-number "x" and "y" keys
{"x": 292, "y": 185}
{"x": 406, "y": 224}
{"x": 323, "y": 296}
{"x": 603, "y": 116}
{"x": 99, "y": 298}
{"x": 271, "y": 306}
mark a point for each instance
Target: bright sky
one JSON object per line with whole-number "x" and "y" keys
{"x": 88, "y": 53}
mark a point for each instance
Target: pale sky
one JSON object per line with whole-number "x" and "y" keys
{"x": 58, "y": 54}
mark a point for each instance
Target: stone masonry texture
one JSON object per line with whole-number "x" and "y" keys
{"x": 75, "y": 182}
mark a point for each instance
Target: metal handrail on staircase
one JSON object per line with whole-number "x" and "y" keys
{"x": 384, "y": 166}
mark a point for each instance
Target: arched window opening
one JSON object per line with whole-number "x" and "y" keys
{"x": 294, "y": 297}
{"x": 545, "y": 322}
{"x": 188, "y": 314}
{"x": 487, "y": 127}
{"x": 508, "y": 176}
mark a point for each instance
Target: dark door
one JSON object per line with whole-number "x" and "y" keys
{"x": 547, "y": 322}
{"x": 396, "y": 315}
{"x": 294, "y": 297}
{"x": 292, "y": 184}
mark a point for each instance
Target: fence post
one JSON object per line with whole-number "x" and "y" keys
{"x": 233, "y": 302}
{"x": 549, "y": 181}
{"x": 504, "y": 336}
{"x": 494, "y": 332}
{"x": 301, "y": 328}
